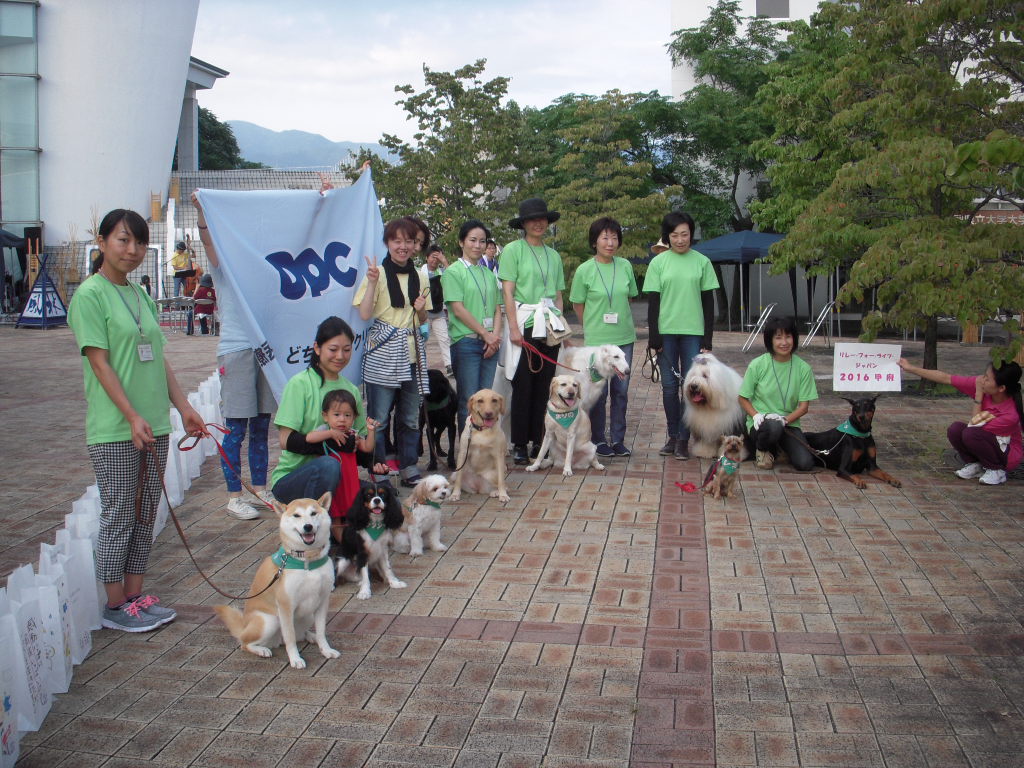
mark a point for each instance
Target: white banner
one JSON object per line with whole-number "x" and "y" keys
{"x": 294, "y": 258}
{"x": 866, "y": 368}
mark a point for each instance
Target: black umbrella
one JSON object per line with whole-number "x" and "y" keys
{"x": 10, "y": 240}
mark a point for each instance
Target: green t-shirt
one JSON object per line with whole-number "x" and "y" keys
{"x": 536, "y": 271}
{"x": 300, "y": 410}
{"x": 100, "y": 319}
{"x": 773, "y": 387}
{"x": 680, "y": 278}
{"x": 477, "y": 288}
{"x": 602, "y": 289}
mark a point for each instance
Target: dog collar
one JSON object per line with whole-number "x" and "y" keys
{"x": 438, "y": 406}
{"x": 283, "y": 559}
{"x": 375, "y": 527}
{"x": 433, "y": 504}
{"x": 594, "y": 375}
{"x": 729, "y": 466}
{"x": 564, "y": 419}
{"x": 847, "y": 428}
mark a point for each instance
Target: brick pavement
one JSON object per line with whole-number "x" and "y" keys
{"x": 602, "y": 620}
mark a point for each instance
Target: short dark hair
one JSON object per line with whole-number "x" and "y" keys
{"x": 422, "y": 227}
{"x": 673, "y": 220}
{"x": 133, "y": 222}
{"x": 472, "y": 224}
{"x": 339, "y": 397}
{"x": 605, "y": 223}
{"x": 434, "y": 248}
{"x": 403, "y": 226}
{"x": 785, "y": 324}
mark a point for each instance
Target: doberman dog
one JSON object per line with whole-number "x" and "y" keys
{"x": 849, "y": 449}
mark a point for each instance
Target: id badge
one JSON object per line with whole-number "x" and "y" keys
{"x": 145, "y": 352}
{"x": 488, "y": 323}
{"x": 611, "y": 317}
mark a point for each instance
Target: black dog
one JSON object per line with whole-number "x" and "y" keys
{"x": 849, "y": 449}
{"x": 442, "y": 406}
{"x": 375, "y": 516}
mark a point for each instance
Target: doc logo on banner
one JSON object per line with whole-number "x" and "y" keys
{"x": 293, "y": 258}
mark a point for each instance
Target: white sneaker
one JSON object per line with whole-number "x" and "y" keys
{"x": 970, "y": 471}
{"x": 993, "y": 477}
{"x": 242, "y": 510}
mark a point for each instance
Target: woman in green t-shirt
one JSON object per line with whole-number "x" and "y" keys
{"x": 775, "y": 393}
{"x": 601, "y": 290}
{"x": 129, "y": 388}
{"x": 472, "y": 295}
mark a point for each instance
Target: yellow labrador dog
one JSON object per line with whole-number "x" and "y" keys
{"x": 301, "y": 577}
{"x": 482, "y": 448}
{"x": 566, "y": 430}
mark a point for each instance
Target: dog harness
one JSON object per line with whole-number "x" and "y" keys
{"x": 282, "y": 559}
{"x": 564, "y": 420}
{"x": 847, "y": 428}
{"x": 594, "y": 375}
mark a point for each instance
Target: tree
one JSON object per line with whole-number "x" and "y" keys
{"x": 929, "y": 98}
{"x": 597, "y": 176}
{"x": 462, "y": 161}
{"x": 218, "y": 148}
{"x": 719, "y": 117}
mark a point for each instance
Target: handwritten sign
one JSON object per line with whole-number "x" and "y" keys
{"x": 866, "y": 368}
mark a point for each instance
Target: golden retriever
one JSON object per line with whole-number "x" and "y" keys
{"x": 566, "y": 430}
{"x": 482, "y": 448}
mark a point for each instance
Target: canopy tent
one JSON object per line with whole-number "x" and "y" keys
{"x": 741, "y": 249}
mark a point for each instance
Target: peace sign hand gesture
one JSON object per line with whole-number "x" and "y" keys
{"x": 372, "y": 270}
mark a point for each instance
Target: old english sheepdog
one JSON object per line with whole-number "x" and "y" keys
{"x": 711, "y": 407}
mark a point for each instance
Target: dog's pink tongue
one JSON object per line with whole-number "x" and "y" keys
{"x": 308, "y": 538}
{"x": 698, "y": 398}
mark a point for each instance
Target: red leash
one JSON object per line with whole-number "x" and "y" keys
{"x": 196, "y": 439}
{"x": 689, "y": 487}
{"x": 532, "y": 350}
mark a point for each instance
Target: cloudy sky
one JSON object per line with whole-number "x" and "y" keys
{"x": 330, "y": 66}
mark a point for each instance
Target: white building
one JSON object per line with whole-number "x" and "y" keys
{"x": 91, "y": 99}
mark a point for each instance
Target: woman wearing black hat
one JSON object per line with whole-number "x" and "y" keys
{"x": 532, "y": 285}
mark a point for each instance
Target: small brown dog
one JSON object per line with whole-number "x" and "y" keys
{"x": 727, "y": 468}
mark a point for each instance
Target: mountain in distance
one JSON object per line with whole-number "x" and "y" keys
{"x": 296, "y": 149}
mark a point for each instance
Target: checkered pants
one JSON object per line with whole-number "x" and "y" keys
{"x": 124, "y": 543}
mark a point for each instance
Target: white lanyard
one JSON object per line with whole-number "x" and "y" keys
{"x": 136, "y": 317}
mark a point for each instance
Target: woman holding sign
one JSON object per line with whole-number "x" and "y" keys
{"x": 395, "y": 363}
{"x": 776, "y": 391}
{"x": 990, "y": 443}
{"x": 472, "y": 294}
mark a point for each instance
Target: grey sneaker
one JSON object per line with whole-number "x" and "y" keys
{"x": 149, "y": 604}
{"x": 669, "y": 448}
{"x": 129, "y": 618}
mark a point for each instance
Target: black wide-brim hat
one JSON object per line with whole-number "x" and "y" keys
{"x": 533, "y": 208}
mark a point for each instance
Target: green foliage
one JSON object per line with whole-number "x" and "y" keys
{"x": 463, "y": 160}
{"x": 719, "y": 119}
{"x": 218, "y": 149}
{"x": 884, "y": 157}
{"x": 600, "y": 177}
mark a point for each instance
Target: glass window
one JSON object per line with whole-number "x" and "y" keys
{"x": 19, "y": 185}
{"x": 18, "y": 113}
{"x": 18, "y": 38}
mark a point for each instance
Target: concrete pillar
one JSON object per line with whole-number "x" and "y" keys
{"x": 188, "y": 131}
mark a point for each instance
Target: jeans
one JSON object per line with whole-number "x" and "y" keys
{"x": 406, "y": 399}
{"x": 179, "y": 286}
{"x": 773, "y": 435}
{"x": 677, "y": 353}
{"x": 310, "y": 481}
{"x": 619, "y": 389}
{"x": 258, "y": 427}
{"x": 473, "y": 372}
{"x": 974, "y": 444}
